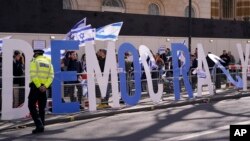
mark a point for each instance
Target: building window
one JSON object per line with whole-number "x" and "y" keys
{"x": 113, "y": 3}
{"x": 227, "y": 9}
{"x": 187, "y": 12}
{"x": 113, "y": 6}
{"x": 153, "y": 9}
{"x": 67, "y": 4}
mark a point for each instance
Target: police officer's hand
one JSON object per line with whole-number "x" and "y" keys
{"x": 42, "y": 88}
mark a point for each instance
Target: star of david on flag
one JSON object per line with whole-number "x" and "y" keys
{"x": 81, "y": 23}
{"x": 83, "y": 34}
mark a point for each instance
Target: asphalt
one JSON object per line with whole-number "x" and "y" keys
{"x": 145, "y": 104}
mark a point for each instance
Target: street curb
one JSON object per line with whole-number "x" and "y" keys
{"x": 90, "y": 115}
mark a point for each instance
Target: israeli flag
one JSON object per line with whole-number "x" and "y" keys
{"x": 162, "y": 49}
{"x": 47, "y": 53}
{"x": 1, "y": 42}
{"x": 108, "y": 32}
{"x": 81, "y": 23}
{"x": 83, "y": 34}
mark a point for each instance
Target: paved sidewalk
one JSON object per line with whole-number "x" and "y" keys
{"x": 145, "y": 104}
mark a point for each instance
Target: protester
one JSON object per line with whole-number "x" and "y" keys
{"x": 168, "y": 52}
{"x": 101, "y": 55}
{"x": 84, "y": 82}
{"x": 65, "y": 61}
{"x": 83, "y": 63}
{"x": 64, "y": 67}
{"x": 210, "y": 62}
{"x": 75, "y": 65}
{"x": 160, "y": 63}
{"x": 226, "y": 62}
{"x": 225, "y": 58}
{"x": 232, "y": 59}
{"x": 18, "y": 74}
{"x": 196, "y": 52}
{"x": 194, "y": 65}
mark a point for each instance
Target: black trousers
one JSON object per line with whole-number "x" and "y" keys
{"x": 37, "y": 114}
{"x": 70, "y": 89}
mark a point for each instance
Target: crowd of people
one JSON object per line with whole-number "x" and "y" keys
{"x": 160, "y": 68}
{"x": 71, "y": 62}
{"x": 18, "y": 79}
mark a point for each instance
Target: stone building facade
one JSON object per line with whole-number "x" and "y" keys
{"x": 230, "y": 9}
{"x": 216, "y": 9}
{"x": 179, "y": 8}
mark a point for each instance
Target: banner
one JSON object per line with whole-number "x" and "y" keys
{"x": 95, "y": 75}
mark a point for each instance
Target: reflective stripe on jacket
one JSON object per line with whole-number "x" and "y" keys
{"x": 41, "y": 71}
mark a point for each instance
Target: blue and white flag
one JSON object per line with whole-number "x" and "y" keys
{"x": 1, "y": 42}
{"x": 83, "y": 34}
{"x": 108, "y": 32}
{"x": 162, "y": 49}
{"x": 47, "y": 53}
{"x": 81, "y": 23}
{"x": 217, "y": 60}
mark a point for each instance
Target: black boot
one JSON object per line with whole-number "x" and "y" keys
{"x": 39, "y": 126}
{"x": 38, "y": 130}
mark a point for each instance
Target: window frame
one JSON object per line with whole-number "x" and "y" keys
{"x": 108, "y": 8}
{"x": 158, "y": 8}
{"x": 193, "y": 12}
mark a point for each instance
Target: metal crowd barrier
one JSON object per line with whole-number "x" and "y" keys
{"x": 77, "y": 91}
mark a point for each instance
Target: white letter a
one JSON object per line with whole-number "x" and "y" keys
{"x": 237, "y": 132}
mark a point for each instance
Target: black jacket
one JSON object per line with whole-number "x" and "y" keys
{"x": 75, "y": 65}
{"x": 18, "y": 70}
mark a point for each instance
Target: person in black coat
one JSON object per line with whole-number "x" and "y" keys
{"x": 210, "y": 62}
{"x": 75, "y": 65}
{"x": 225, "y": 58}
{"x": 216, "y": 74}
{"x": 101, "y": 55}
{"x": 18, "y": 74}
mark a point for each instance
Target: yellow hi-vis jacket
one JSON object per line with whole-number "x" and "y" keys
{"x": 41, "y": 71}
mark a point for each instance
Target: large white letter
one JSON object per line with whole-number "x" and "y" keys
{"x": 9, "y": 45}
{"x": 156, "y": 97}
{"x": 244, "y": 63}
{"x": 207, "y": 80}
{"x": 94, "y": 69}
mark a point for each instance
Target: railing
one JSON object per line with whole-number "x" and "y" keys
{"x": 78, "y": 91}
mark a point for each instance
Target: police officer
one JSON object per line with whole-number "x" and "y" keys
{"x": 41, "y": 76}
